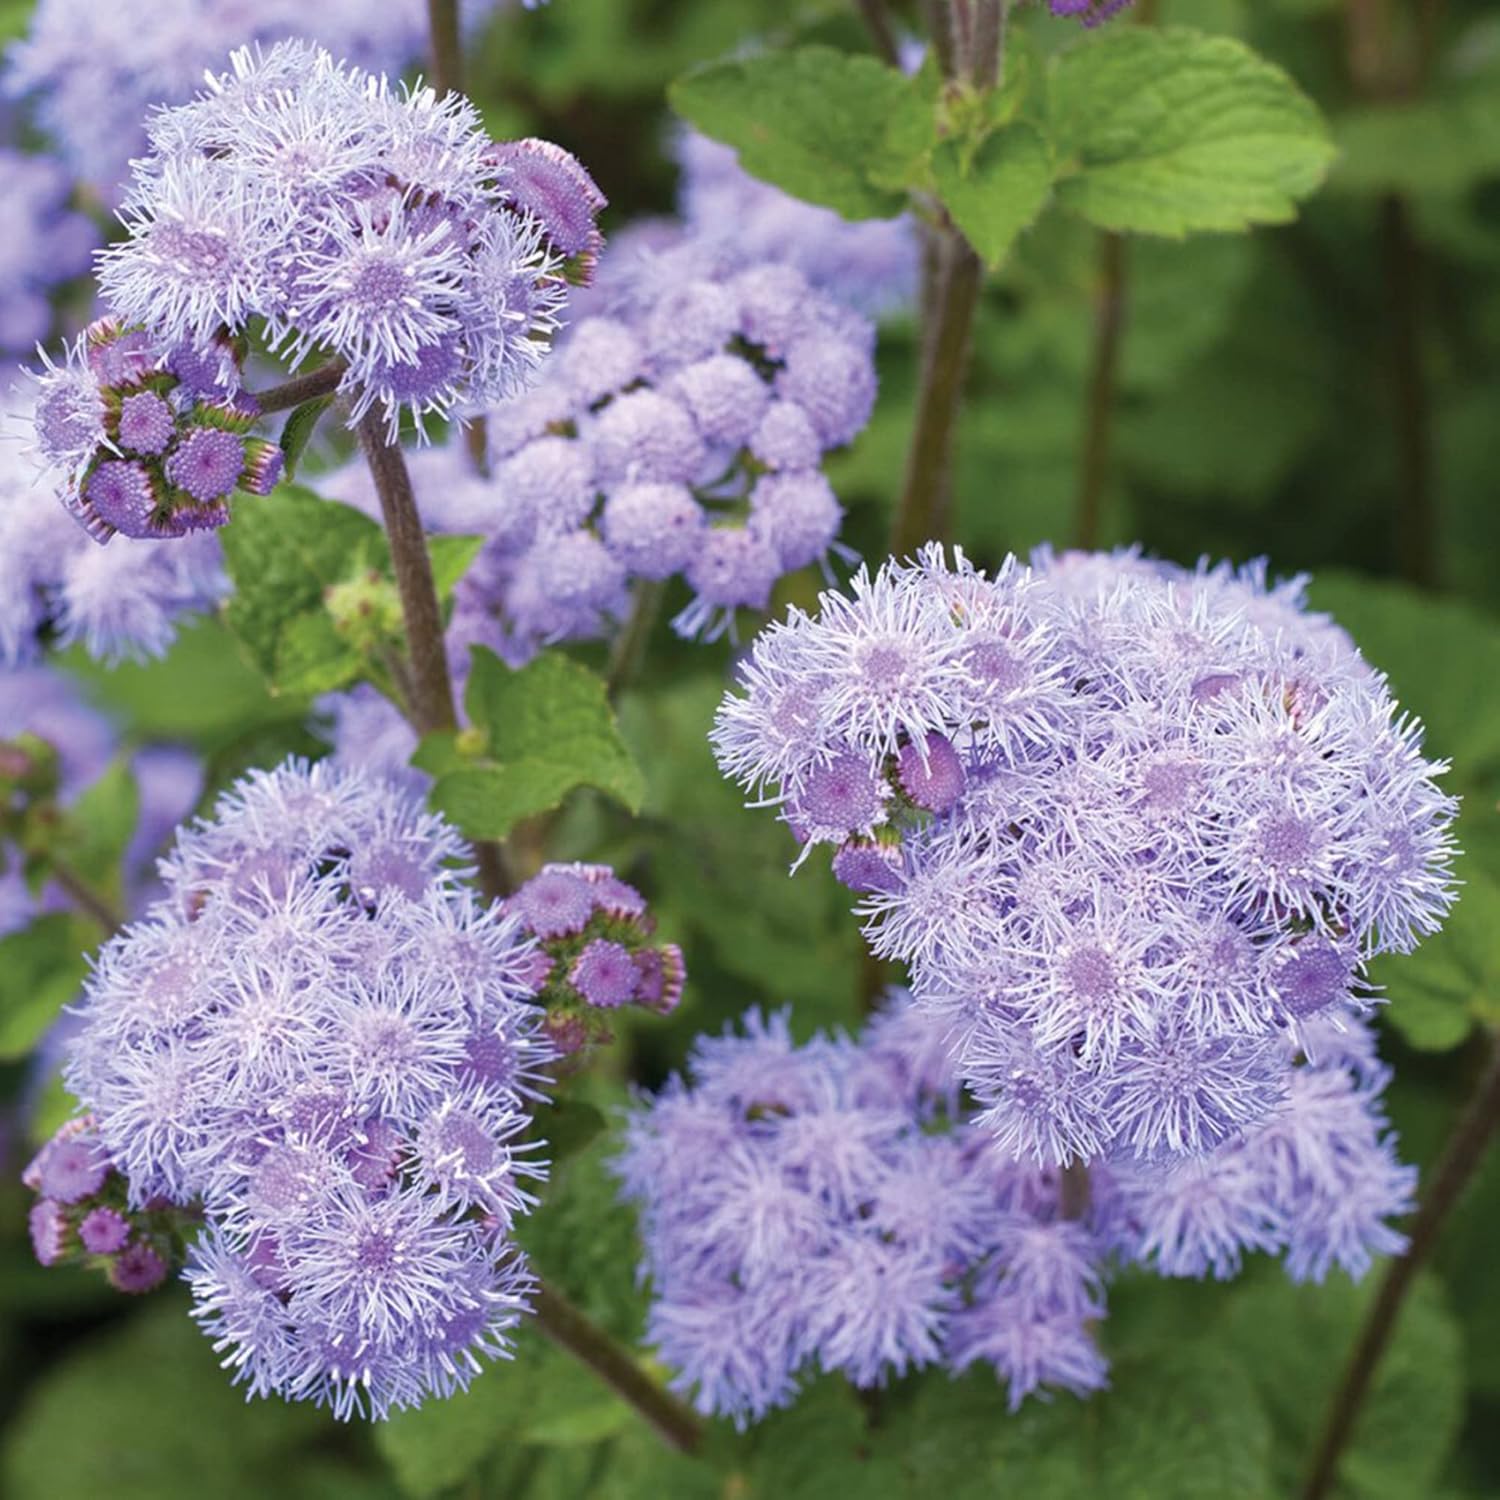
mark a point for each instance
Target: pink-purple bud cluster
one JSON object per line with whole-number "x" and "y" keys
{"x": 596, "y": 951}
{"x": 134, "y": 449}
{"x": 83, "y": 1215}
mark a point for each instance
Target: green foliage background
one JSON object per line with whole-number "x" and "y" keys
{"x": 1258, "y": 410}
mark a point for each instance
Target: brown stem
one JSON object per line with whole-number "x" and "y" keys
{"x": 1073, "y": 1191}
{"x": 567, "y": 1327}
{"x": 90, "y": 902}
{"x": 922, "y": 511}
{"x": 940, "y": 31}
{"x": 1460, "y": 1159}
{"x": 431, "y": 687}
{"x": 1416, "y": 511}
{"x": 323, "y": 381}
{"x": 989, "y": 42}
{"x": 882, "y": 36}
{"x": 447, "y": 46}
{"x": 1109, "y": 327}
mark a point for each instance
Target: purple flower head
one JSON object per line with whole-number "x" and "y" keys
{"x": 146, "y": 424}
{"x": 207, "y": 464}
{"x": 354, "y": 219}
{"x": 1123, "y": 890}
{"x": 102, "y": 1231}
{"x": 49, "y": 1230}
{"x": 319, "y": 1040}
{"x": 605, "y": 974}
{"x": 798, "y": 1210}
{"x": 1088, "y": 12}
{"x": 46, "y": 243}
{"x": 120, "y": 496}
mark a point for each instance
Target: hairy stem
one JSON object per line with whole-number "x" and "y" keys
{"x": 567, "y": 1327}
{"x": 989, "y": 43}
{"x": 323, "y": 381}
{"x": 1459, "y": 1161}
{"x": 91, "y": 902}
{"x": 447, "y": 46}
{"x": 882, "y": 36}
{"x": 431, "y": 687}
{"x": 922, "y": 511}
{"x": 1109, "y": 327}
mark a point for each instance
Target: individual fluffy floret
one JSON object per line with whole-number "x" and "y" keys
{"x": 320, "y": 1041}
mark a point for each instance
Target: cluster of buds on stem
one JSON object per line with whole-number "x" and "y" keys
{"x": 597, "y": 951}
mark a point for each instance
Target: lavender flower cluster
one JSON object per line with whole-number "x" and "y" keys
{"x": 55, "y": 583}
{"x": 46, "y": 242}
{"x": 356, "y": 222}
{"x": 833, "y": 1206}
{"x": 682, "y": 432}
{"x": 319, "y": 1040}
{"x": 142, "y": 449}
{"x": 1133, "y": 828}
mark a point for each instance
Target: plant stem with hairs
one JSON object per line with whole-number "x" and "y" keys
{"x": 1109, "y": 328}
{"x": 566, "y": 1326}
{"x": 91, "y": 902}
{"x": 954, "y": 278}
{"x": 323, "y": 381}
{"x": 629, "y": 649}
{"x": 1460, "y": 1160}
{"x": 447, "y": 46}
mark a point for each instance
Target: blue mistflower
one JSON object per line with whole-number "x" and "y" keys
{"x": 1135, "y": 829}
{"x": 318, "y": 1040}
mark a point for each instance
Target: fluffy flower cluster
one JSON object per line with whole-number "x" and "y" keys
{"x": 82, "y": 1215}
{"x": 1132, "y": 828}
{"x": 323, "y": 1042}
{"x": 596, "y": 951}
{"x": 823, "y": 1206}
{"x": 135, "y": 447}
{"x": 96, "y": 72}
{"x": 870, "y": 264}
{"x": 55, "y": 582}
{"x": 832, "y": 1206}
{"x": 682, "y": 432}
{"x": 355, "y": 221}
{"x": 45, "y": 243}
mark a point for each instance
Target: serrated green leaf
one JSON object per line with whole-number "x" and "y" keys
{"x": 296, "y": 432}
{"x": 909, "y": 133}
{"x": 1171, "y": 131}
{"x": 42, "y": 968}
{"x": 282, "y": 552}
{"x": 998, "y": 190}
{"x": 812, "y": 121}
{"x": 312, "y": 658}
{"x": 438, "y": 753}
{"x": 550, "y": 729}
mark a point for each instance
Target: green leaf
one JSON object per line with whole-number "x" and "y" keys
{"x": 812, "y": 121}
{"x": 451, "y": 556}
{"x": 1293, "y": 1341}
{"x": 998, "y": 190}
{"x": 541, "y": 1396}
{"x": 97, "y": 828}
{"x": 1182, "y": 1422}
{"x": 1446, "y": 143}
{"x": 1171, "y": 131}
{"x": 312, "y": 658}
{"x": 282, "y": 551}
{"x": 550, "y": 729}
{"x": 302, "y": 421}
{"x": 144, "y": 1412}
{"x": 42, "y": 968}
